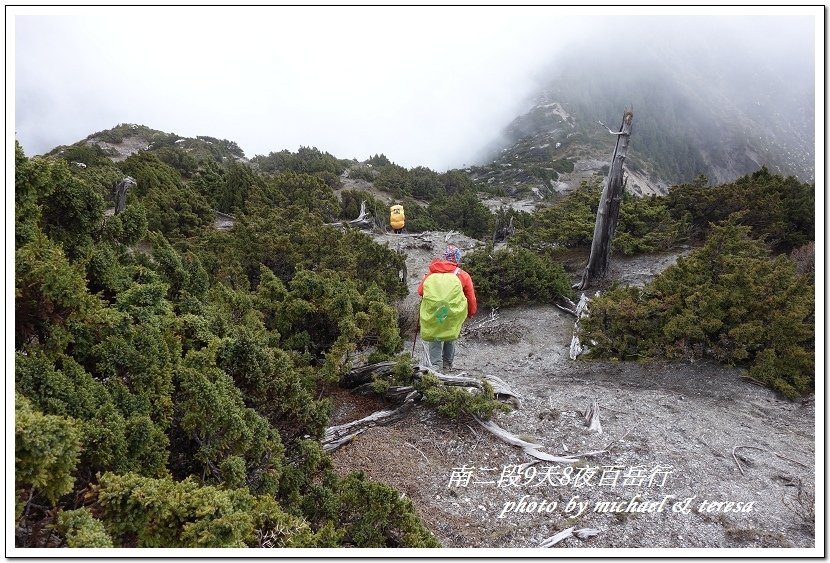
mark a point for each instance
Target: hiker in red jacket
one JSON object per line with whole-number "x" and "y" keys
{"x": 448, "y": 299}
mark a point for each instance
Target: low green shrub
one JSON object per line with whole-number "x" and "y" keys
{"x": 513, "y": 276}
{"x": 463, "y": 212}
{"x": 359, "y": 172}
{"x": 644, "y": 223}
{"x": 82, "y": 529}
{"x": 728, "y": 300}
{"x": 563, "y": 165}
{"x": 780, "y": 210}
{"x": 368, "y": 514}
{"x": 46, "y": 453}
{"x": 142, "y": 512}
{"x": 418, "y": 218}
{"x": 454, "y": 402}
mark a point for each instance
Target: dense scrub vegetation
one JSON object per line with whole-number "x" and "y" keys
{"x": 307, "y": 160}
{"x": 738, "y": 298}
{"x": 728, "y": 300}
{"x": 644, "y": 225}
{"x": 171, "y": 378}
{"x": 175, "y": 396}
{"x": 779, "y": 210}
{"x": 509, "y": 277}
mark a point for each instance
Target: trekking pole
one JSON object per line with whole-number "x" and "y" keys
{"x": 417, "y": 330}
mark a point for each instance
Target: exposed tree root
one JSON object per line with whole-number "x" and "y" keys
{"x": 361, "y": 380}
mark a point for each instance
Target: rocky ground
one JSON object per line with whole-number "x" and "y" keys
{"x": 694, "y": 455}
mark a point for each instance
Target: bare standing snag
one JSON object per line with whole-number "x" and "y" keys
{"x": 609, "y": 208}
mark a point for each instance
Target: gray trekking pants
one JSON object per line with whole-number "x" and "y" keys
{"x": 441, "y": 350}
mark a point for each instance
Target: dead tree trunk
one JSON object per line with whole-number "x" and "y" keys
{"x": 121, "y": 193}
{"x": 609, "y": 208}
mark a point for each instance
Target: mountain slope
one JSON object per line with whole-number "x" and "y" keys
{"x": 721, "y": 109}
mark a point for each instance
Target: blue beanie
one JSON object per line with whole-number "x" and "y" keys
{"x": 452, "y": 253}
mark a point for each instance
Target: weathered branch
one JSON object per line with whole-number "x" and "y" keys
{"x": 592, "y": 417}
{"x": 393, "y": 393}
{"x": 337, "y": 436}
{"x": 528, "y": 447}
{"x": 363, "y": 375}
{"x": 735, "y": 457}
{"x": 609, "y": 130}
{"x": 580, "y": 311}
{"x": 413, "y": 446}
{"x": 580, "y": 533}
{"x": 363, "y": 221}
{"x": 754, "y": 381}
{"x": 567, "y": 305}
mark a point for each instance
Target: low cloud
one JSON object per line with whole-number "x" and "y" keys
{"x": 426, "y": 86}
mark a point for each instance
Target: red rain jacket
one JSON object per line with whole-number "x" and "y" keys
{"x": 445, "y": 266}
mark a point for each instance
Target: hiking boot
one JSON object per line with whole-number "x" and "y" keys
{"x": 447, "y": 367}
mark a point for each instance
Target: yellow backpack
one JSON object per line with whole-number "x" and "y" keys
{"x": 396, "y": 217}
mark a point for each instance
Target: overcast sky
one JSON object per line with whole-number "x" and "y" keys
{"x": 425, "y": 86}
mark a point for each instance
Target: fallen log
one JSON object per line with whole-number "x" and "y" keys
{"x": 365, "y": 374}
{"x": 392, "y": 393}
{"x": 500, "y": 387}
{"x": 361, "y": 380}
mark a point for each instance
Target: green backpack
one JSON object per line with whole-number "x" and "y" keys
{"x": 443, "y": 307}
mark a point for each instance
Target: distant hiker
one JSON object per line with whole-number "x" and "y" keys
{"x": 396, "y": 218}
{"x": 448, "y": 299}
